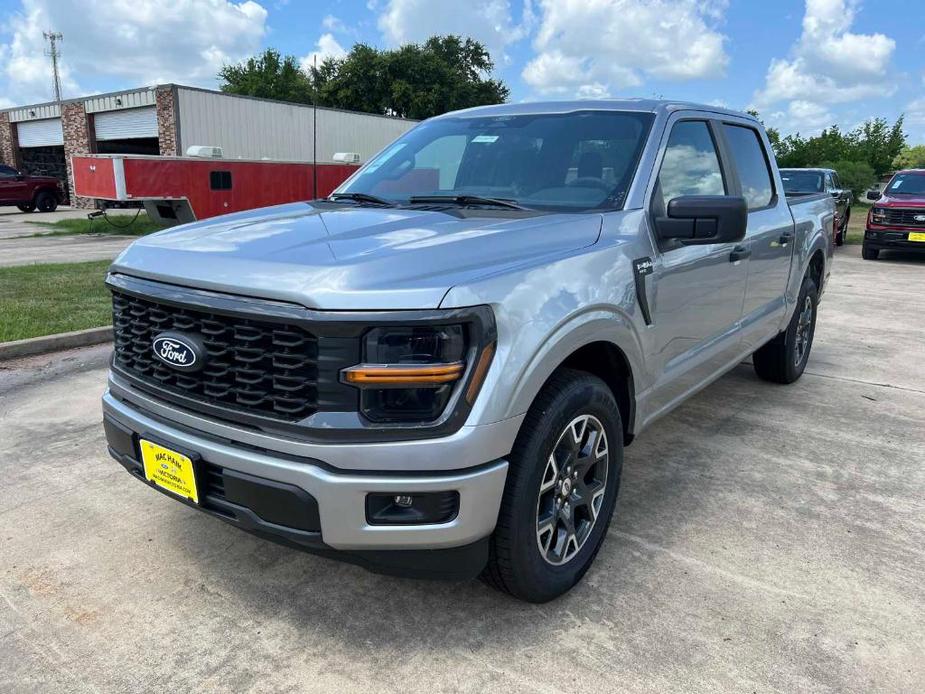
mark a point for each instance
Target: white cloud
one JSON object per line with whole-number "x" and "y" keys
{"x": 828, "y": 65}
{"x": 915, "y": 120}
{"x": 129, "y": 42}
{"x": 327, "y": 47}
{"x": 589, "y": 46}
{"x": 487, "y": 21}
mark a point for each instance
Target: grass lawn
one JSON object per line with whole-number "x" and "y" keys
{"x": 121, "y": 224}
{"x": 856, "y": 224}
{"x": 46, "y": 299}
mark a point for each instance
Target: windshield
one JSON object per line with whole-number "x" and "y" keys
{"x": 573, "y": 161}
{"x": 907, "y": 184}
{"x": 802, "y": 181}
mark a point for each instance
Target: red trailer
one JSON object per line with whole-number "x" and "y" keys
{"x": 176, "y": 190}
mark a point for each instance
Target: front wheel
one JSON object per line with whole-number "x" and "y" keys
{"x": 563, "y": 478}
{"x": 869, "y": 253}
{"x": 783, "y": 359}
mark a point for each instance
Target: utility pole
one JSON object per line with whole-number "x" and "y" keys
{"x": 52, "y": 52}
{"x": 315, "y": 127}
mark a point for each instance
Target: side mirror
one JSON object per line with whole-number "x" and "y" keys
{"x": 704, "y": 219}
{"x": 874, "y": 194}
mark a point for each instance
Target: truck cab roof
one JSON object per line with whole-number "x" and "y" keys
{"x": 656, "y": 106}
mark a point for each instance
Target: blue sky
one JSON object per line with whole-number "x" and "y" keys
{"x": 803, "y": 63}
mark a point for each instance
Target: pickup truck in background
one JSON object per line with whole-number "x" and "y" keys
{"x": 897, "y": 219}
{"x": 434, "y": 370}
{"x": 799, "y": 182}
{"x": 29, "y": 193}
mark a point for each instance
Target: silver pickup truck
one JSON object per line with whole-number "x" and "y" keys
{"x": 435, "y": 370}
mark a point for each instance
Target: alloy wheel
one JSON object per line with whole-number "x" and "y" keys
{"x": 803, "y": 332}
{"x": 572, "y": 489}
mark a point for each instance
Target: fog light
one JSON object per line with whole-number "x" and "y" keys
{"x": 403, "y": 500}
{"x": 421, "y": 508}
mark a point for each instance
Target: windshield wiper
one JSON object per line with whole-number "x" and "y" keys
{"x": 362, "y": 197}
{"x": 464, "y": 200}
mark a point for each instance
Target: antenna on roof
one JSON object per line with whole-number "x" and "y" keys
{"x": 52, "y": 52}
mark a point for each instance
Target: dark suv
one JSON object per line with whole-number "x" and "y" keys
{"x": 29, "y": 193}
{"x": 812, "y": 181}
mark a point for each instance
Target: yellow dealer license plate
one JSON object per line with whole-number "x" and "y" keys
{"x": 916, "y": 236}
{"x": 169, "y": 470}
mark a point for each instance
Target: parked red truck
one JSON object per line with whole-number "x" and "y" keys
{"x": 897, "y": 219}
{"x": 29, "y": 193}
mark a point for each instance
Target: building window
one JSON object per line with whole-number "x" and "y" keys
{"x": 220, "y": 180}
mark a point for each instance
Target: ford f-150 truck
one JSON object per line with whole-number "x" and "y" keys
{"x": 29, "y": 193}
{"x": 897, "y": 219}
{"x": 812, "y": 181}
{"x": 434, "y": 371}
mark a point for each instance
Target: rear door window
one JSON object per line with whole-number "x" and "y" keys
{"x": 751, "y": 164}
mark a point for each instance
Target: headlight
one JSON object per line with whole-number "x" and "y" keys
{"x": 410, "y": 373}
{"x": 878, "y": 215}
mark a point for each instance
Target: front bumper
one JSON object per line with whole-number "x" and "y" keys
{"x": 892, "y": 239}
{"x": 333, "y": 520}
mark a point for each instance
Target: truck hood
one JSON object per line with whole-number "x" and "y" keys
{"x": 351, "y": 258}
{"x": 900, "y": 201}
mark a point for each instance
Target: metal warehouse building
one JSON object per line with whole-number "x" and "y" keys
{"x": 169, "y": 118}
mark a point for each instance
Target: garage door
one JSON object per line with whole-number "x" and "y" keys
{"x": 126, "y": 125}
{"x": 40, "y": 133}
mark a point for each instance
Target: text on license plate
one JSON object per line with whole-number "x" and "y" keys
{"x": 169, "y": 470}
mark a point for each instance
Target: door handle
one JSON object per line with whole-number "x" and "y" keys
{"x": 739, "y": 253}
{"x": 785, "y": 238}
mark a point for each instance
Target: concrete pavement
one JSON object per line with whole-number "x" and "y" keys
{"x": 767, "y": 538}
{"x": 20, "y": 246}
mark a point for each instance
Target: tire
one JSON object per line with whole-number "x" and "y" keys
{"x": 783, "y": 359}
{"x": 869, "y": 253}
{"x": 523, "y": 559}
{"x": 27, "y": 207}
{"x": 46, "y": 202}
{"x": 842, "y": 234}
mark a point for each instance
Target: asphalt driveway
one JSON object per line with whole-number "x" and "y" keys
{"x": 767, "y": 538}
{"x": 19, "y": 244}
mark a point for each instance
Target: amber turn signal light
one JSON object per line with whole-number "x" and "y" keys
{"x": 405, "y": 375}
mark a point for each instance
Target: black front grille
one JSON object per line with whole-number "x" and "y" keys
{"x": 905, "y": 217}
{"x": 260, "y": 367}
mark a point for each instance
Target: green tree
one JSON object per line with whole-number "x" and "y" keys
{"x": 416, "y": 81}
{"x": 269, "y": 76}
{"x": 910, "y": 158}
{"x": 859, "y": 176}
{"x": 874, "y": 142}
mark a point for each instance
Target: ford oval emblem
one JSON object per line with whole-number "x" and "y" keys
{"x": 180, "y": 351}
{"x": 919, "y": 218}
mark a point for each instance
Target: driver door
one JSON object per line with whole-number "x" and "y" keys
{"x": 698, "y": 290}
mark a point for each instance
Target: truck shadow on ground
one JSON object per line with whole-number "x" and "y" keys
{"x": 668, "y": 473}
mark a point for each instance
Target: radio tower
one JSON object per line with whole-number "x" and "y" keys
{"x": 52, "y": 52}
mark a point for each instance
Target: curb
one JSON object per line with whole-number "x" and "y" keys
{"x": 54, "y": 343}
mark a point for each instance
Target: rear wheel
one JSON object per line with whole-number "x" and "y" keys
{"x": 783, "y": 359}
{"x": 563, "y": 478}
{"x": 869, "y": 253}
{"x": 26, "y": 207}
{"x": 46, "y": 202}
